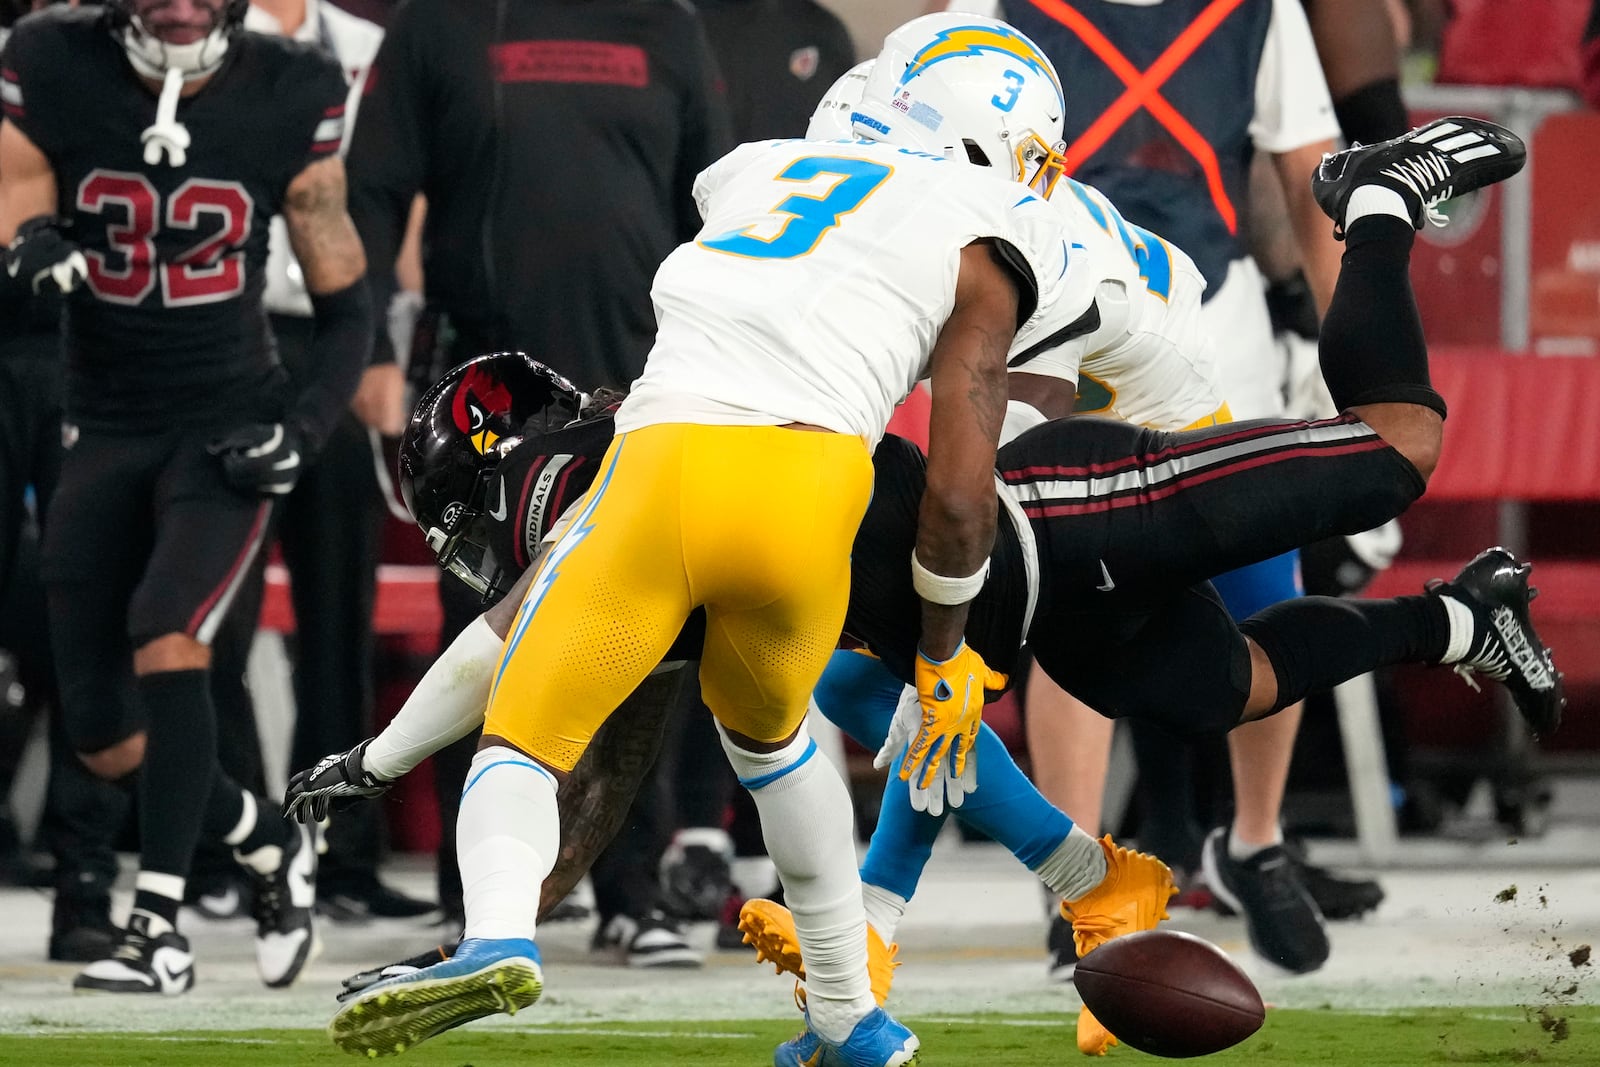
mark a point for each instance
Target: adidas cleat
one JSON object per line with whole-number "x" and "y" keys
{"x": 1133, "y": 896}
{"x": 1445, "y": 158}
{"x": 1504, "y": 645}
{"x": 768, "y": 927}
{"x": 483, "y": 978}
{"x": 877, "y": 1041}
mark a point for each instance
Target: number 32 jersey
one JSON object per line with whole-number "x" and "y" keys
{"x": 170, "y": 328}
{"x": 820, "y": 281}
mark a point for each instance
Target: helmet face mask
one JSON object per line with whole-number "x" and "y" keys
{"x": 163, "y": 35}
{"x": 460, "y": 431}
{"x": 971, "y": 88}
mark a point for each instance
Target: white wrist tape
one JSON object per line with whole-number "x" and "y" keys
{"x": 941, "y": 588}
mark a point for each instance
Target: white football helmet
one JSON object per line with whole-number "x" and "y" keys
{"x": 831, "y": 120}
{"x": 970, "y": 85}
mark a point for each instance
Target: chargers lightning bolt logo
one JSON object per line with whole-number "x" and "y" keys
{"x": 971, "y": 40}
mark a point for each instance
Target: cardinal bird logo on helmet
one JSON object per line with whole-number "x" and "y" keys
{"x": 481, "y": 397}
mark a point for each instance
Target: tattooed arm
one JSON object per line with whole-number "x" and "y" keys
{"x": 595, "y": 798}
{"x": 955, "y": 526}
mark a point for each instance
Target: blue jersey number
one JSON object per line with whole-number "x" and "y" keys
{"x": 1013, "y": 89}
{"x": 809, "y": 216}
{"x": 1148, "y": 250}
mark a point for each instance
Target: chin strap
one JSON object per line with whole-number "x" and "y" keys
{"x": 167, "y": 134}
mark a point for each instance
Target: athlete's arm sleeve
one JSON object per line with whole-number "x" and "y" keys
{"x": 388, "y": 157}
{"x": 707, "y": 131}
{"x": 1293, "y": 108}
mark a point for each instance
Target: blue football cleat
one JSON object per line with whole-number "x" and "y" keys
{"x": 482, "y": 978}
{"x": 877, "y": 1041}
{"x": 801, "y": 1051}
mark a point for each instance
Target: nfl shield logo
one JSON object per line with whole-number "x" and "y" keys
{"x": 803, "y": 62}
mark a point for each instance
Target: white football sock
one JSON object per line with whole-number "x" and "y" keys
{"x": 247, "y": 819}
{"x": 1463, "y": 627}
{"x": 1375, "y": 200}
{"x": 1240, "y": 849}
{"x": 808, "y": 825}
{"x": 884, "y": 910}
{"x": 507, "y": 838}
{"x": 447, "y": 705}
{"x": 1076, "y": 866}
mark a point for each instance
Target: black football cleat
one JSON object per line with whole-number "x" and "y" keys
{"x": 1280, "y": 916}
{"x": 1504, "y": 645}
{"x": 142, "y": 962}
{"x": 1447, "y": 157}
{"x": 286, "y": 937}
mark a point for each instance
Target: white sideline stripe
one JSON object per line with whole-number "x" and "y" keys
{"x": 602, "y": 1031}
{"x": 978, "y": 1020}
{"x": 136, "y": 1036}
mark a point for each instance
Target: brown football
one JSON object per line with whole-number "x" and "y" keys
{"x": 1169, "y": 994}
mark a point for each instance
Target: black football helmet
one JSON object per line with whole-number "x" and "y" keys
{"x": 153, "y": 57}
{"x": 460, "y": 430}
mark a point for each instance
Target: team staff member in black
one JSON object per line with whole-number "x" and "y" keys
{"x": 556, "y": 145}
{"x": 778, "y": 57}
{"x": 146, "y": 147}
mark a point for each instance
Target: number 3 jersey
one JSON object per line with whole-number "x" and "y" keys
{"x": 820, "y": 281}
{"x": 170, "y": 327}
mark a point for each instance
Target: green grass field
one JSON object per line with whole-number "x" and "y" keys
{"x": 1289, "y": 1039}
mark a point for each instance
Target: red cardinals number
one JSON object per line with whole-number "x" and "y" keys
{"x": 129, "y": 277}
{"x": 211, "y": 270}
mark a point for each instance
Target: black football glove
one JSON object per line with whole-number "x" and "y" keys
{"x": 261, "y": 458}
{"x": 41, "y": 257}
{"x": 336, "y": 780}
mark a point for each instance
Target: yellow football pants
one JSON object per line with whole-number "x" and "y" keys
{"x": 755, "y": 523}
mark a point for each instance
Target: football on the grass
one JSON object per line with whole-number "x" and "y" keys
{"x": 1169, "y": 994}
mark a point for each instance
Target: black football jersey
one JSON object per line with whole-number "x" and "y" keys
{"x": 170, "y": 327}
{"x": 885, "y": 612}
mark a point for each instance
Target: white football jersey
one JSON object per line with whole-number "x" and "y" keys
{"x": 1149, "y": 361}
{"x": 819, "y": 283}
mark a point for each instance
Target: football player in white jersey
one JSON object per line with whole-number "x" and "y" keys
{"x": 1139, "y": 354}
{"x": 826, "y": 282}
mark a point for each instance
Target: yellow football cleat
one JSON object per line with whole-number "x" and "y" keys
{"x": 1132, "y": 897}
{"x": 769, "y": 928}
{"x": 1093, "y": 1039}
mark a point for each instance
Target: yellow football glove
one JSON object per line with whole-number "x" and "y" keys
{"x": 950, "y": 695}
